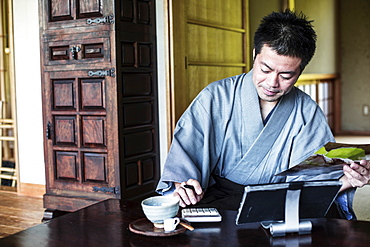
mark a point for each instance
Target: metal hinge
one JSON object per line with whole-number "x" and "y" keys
{"x": 48, "y": 130}
{"x": 104, "y": 20}
{"x": 109, "y": 72}
{"x": 113, "y": 190}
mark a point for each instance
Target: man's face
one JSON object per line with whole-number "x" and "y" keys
{"x": 274, "y": 75}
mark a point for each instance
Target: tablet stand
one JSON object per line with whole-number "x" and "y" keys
{"x": 292, "y": 223}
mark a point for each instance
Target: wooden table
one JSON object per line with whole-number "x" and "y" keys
{"x": 107, "y": 224}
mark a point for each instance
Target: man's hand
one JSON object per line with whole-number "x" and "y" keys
{"x": 356, "y": 175}
{"x": 188, "y": 196}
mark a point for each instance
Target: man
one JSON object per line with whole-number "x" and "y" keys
{"x": 245, "y": 129}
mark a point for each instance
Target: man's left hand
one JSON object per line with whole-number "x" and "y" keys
{"x": 357, "y": 175}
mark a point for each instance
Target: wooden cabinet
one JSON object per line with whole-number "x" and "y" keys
{"x": 99, "y": 100}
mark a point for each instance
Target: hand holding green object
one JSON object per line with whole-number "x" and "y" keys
{"x": 344, "y": 153}
{"x": 324, "y": 161}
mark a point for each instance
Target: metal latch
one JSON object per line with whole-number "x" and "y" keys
{"x": 109, "y": 72}
{"x": 104, "y": 20}
{"x": 113, "y": 190}
{"x": 74, "y": 50}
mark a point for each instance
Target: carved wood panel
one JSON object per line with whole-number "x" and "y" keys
{"x": 79, "y": 145}
{"x": 65, "y": 130}
{"x": 65, "y": 14}
{"x": 77, "y": 49}
{"x": 66, "y": 165}
{"x": 61, "y": 10}
{"x": 92, "y": 94}
{"x": 93, "y": 131}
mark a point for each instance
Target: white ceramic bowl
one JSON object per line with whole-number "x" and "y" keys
{"x": 159, "y": 208}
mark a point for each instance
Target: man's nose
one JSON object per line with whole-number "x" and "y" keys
{"x": 273, "y": 80}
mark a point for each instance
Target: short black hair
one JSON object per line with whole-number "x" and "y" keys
{"x": 288, "y": 34}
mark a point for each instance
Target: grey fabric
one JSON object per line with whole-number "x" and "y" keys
{"x": 222, "y": 133}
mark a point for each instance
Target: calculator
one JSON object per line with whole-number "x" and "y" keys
{"x": 201, "y": 214}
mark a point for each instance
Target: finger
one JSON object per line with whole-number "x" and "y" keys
{"x": 365, "y": 163}
{"x": 354, "y": 165}
{"x": 197, "y": 187}
{"x": 184, "y": 194}
{"x": 176, "y": 194}
{"x": 181, "y": 202}
{"x": 197, "y": 197}
{"x": 200, "y": 197}
{"x": 361, "y": 168}
{"x": 191, "y": 194}
{"x": 353, "y": 181}
{"x": 354, "y": 178}
{"x": 184, "y": 197}
{"x": 363, "y": 171}
{"x": 361, "y": 163}
{"x": 349, "y": 178}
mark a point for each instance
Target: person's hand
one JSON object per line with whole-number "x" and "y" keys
{"x": 356, "y": 175}
{"x": 188, "y": 196}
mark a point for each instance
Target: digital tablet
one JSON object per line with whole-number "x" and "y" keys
{"x": 267, "y": 202}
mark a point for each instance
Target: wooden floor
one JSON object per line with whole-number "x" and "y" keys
{"x": 18, "y": 212}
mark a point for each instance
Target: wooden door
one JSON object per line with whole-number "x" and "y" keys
{"x": 210, "y": 42}
{"x": 79, "y": 100}
{"x": 137, "y": 98}
{"x": 99, "y": 101}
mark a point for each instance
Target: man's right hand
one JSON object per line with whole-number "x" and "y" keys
{"x": 188, "y": 196}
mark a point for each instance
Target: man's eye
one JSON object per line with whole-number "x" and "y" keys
{"x": 265, "y": 71}
{"x": 286, "y": 77}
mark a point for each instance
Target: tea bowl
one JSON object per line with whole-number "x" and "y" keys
{"x": 159, "y": 208}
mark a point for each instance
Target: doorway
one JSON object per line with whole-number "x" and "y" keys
{"x": 210, "y": 42}
{"x": 8, "y": 143}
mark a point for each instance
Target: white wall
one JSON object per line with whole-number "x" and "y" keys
{"x": 28, "y": 91}
{"x": 163, "y": 75}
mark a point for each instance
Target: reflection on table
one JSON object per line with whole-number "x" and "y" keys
{"x": 107, "y": 224}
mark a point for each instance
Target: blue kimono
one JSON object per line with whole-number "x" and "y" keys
{"x": 222, "y": 133}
